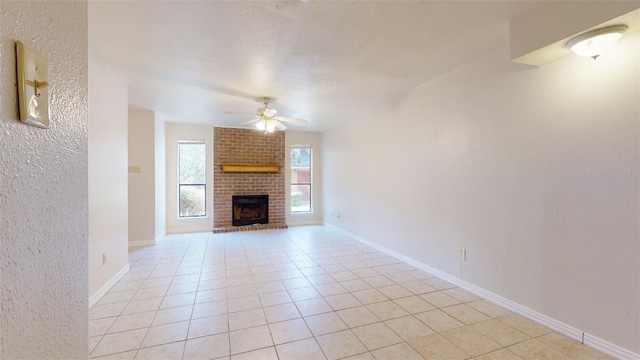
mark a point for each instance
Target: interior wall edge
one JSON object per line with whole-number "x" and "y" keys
{"x": 160, "y": 236}
{"x": 93, "y": 299}
{"x": 142, "y": 242}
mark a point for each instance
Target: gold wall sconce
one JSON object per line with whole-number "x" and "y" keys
{"x": 33, "y": 86}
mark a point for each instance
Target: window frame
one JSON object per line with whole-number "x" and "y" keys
{"x": 192, "y": 142}
{"x": 309, "y": 183}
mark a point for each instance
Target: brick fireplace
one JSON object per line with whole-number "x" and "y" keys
{"x": 248, "y": 147}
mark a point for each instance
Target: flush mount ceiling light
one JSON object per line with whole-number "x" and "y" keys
{"x": 594, "y": 43}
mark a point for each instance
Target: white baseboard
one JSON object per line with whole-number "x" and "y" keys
{"x": 160, "y": 237}
{"x": 93, "y": 299}
{"x": 568, "y": 330}
{"x": 193, "y": 229}
{"x": 305, "y": 223}
{"x": 142, "y": 242}
{"x": 609, "y": 348}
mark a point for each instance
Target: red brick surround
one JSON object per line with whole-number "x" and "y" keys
{"x": 247, "y": 147}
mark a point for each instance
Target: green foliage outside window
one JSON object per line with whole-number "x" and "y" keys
{"x": 192, "y": 179}
{"x": 301, "y": 157}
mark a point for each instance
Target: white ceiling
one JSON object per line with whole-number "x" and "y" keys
{"x": 323, "y": 61}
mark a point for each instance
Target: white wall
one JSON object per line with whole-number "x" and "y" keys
{"x": 534, "y": 170}
{"x": 142, "y": 186}
{"x": 315, "y": 140}
{"x": 160, "y": 179}
{"x": 43, "y": 188}
{"x": 108, "y": 220}
{"x": 177, "y": 132}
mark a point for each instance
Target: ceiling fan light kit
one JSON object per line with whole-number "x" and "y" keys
{"x": 266, "y": 119}
{"x": 595, "y": 42}
{"x": 266, "y": 125}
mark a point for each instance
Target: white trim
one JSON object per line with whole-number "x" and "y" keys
{"x": 142, "y": 242}
{"x": 160, "y": 237}
{"x": 103, "y": 290}
{"x": 190, "y": 229}
{"x": 609, "y": 348}
{"x": 305, "y": 223}
{"x": 568, "y": 330}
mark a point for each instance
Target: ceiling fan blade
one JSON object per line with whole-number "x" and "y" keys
{"x": 291, "y": 120}
{"x": 249, "y": 122}
{"x": 235, "y": 113}
{"x": 279, "y": 125}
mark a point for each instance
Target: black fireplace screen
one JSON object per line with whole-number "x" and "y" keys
{"x": 250, "y": 209}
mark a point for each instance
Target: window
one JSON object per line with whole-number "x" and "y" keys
{"x": 300, "y": 179}
{"x": 192, "y": 187}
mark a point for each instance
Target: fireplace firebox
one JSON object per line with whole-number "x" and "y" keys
{"x": 250, "y": 209}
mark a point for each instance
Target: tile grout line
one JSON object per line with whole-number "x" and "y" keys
{"x": 299, "y": 259}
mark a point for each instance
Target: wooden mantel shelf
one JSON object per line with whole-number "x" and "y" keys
{"x": 250, "y": 168}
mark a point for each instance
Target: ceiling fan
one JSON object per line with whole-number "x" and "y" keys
{"x": 266, "y": 119}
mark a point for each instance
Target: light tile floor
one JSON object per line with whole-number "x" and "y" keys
{"x": 302, "y": 293}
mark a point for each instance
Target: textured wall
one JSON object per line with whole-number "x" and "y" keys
{"x": 43, "y": 188}
{"x": 142, "y": 187}
{"x": 534, "y": 171}
{"x": 107, "y": 177}
{"x": 247, "y": 147}
{"x": 161, "y": 178}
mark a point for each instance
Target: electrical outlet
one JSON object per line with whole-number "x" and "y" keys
{"x": 462, "y": 254}
{"x": 104, "y": 258}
